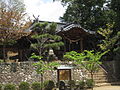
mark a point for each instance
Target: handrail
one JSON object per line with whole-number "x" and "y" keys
{"x": 103, "y": 68}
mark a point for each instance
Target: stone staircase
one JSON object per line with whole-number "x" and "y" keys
{"x": 100, "y": 76}
{"x": 103, "y": 78}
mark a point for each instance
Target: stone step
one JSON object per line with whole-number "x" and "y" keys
{"x": 101, "y": 81}
{"x": 107, "y": 84}
{"x": 99, "y": 76}
{"x": 102, "y": 77}
{"x": 102, "y": 84}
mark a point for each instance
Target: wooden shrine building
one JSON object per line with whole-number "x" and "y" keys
{"x": 75, "y": 38}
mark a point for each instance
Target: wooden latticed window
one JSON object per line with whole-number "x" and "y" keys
{"x": 64, "y": 74}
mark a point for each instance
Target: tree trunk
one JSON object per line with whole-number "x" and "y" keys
{"x": 42, "y": 81}
{"x": 92, "y": 78}
{"x": 4, "y": 53}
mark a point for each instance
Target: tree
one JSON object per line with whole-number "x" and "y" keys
{"x": 12, "y": 22}
{"x": 45, "y": 38}
{"x": 90, "y": 14}
{"x": 115, "y": 6}
{"x": 43, "y": 66}
{"x": 88, "y": 60}
{"x": 116, "y": 50}
{"x": 110, "y": 40}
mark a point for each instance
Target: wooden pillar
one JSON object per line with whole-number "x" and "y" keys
{"x": 64, "y": 40}
{"x": 81, "y": 44}
{"x": 69, "y": 45}
{"x": 20, "y": 55}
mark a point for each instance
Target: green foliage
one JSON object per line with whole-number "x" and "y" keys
{"x": 36, "y": 86}
{"x": 54, "y": 45}
{"x": 50, "y": 85}
{"x": 81, "y": 84}
{"x": 45, "y": 83}
{"x": 46, "y": 38}
{"x": 90, "y": 83}
{"x": 1, "y": 60}
{"x": 108, "y": 41}
{"x": 87, "y": 59}
{"x": 24, "y": 86}
{"x": 10, "y": 87}
{"x": 1, "y": 86}
{"x": 92, "y": 60}
{"x": 71, "y": 83}
{"x": 115, "y": 5}
{"x": 43, "y": 66}
{"x": 34, "y": 56}
{"x": 91, "y": 14}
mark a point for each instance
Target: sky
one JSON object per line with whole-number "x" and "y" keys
{"x": 46, "y": 9}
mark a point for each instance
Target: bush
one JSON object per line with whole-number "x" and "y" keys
{"x": 71, "y": 83}
{"x": 1, "y": 61}
{"x": 82, "y": 84}
{"x": 9, "y": 87}
{"x": 0, "y": 86}
{"x": 24, "y": 86}
{"x": 60, "y": 85}
{"x": 89, "y": 83}
{"x": 36, "y": 86}
{"x": 50, "y": 85}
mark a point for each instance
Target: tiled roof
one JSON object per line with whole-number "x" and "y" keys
{"x": 70, "y": 26}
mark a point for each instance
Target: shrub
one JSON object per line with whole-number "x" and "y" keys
{"x": 0, "y": 86}
{"x": 9, "y": 87}
{"x": 50, "y": 85}
{"x": 36, "y": 86}
{"x": 89, "y": 83}
{"x": 1, "y": 61}
{"x": 60, "y": 85}
{"x": 82, "y": 84}
{"x": 24, "y": 86}
{"x": 71, "y": 83}
{"x": 44, "y": 84}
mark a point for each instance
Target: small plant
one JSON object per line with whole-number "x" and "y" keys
{"x": 0, "y": 86}
{"x": 9, "y": 87}
{"x": 1, "y": 61}
{"x": 36, "y": 86}
{"x": 50, "y": 85}
{"x": 60, "y": 85}
{"x": 82, "y": 84}
{"x": 24, "y": 86}
{"x": 71, "y": 83}
{"x": 89, "y": 83}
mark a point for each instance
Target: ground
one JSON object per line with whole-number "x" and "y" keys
{"x": 107, "y": 88}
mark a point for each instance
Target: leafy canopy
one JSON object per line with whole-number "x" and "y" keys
{"x": 90, "y": 14}
{"x": 87, "y": 59}
{"x": 42, "y": 66}
{"x": 46, "y": 37}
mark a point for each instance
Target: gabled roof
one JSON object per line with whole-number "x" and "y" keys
{"x": 70, "y": 26}
{"x": 61, "y": 27}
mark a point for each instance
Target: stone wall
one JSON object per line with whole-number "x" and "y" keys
{"x": 17, "y": 72}
{"x": 25, "y": 71}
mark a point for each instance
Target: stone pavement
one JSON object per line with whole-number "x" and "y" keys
{"x": 107, "y": 88}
